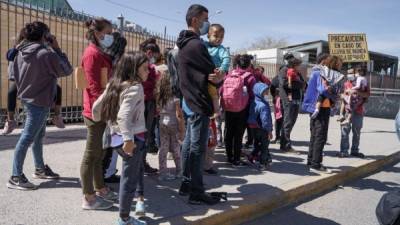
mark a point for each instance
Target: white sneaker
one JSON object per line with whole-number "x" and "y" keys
{"x": 97, "y": 204}
{"x": 9, "y": 126}
{"x": 140, "y": 209}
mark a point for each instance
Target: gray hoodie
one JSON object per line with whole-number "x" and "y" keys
{"x": 36, "y": 69}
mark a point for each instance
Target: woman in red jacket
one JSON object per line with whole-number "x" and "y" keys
{"x": 94, "y": 61}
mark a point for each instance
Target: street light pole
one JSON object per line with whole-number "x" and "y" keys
{"x": 121, "y": 23}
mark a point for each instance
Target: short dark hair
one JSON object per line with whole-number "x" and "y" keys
{"x": 35, "y": 31}
{"x": 292, "y": 62}
{"x": 150, "y": 44}
{"x": 218, "y": 27}
{"x": 194, "y": 11}
{"x": 321, "y": 57}
{"x": 243, "y": 61}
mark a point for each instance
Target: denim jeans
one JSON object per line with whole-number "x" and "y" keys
{"x": 354, "y": 126}
{"x": 131, "y": 177}
{"x": 33, "y": 133}
{"x": 193, "y": 150}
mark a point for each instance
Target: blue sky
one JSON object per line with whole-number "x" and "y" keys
{"x": 245, "y": 21}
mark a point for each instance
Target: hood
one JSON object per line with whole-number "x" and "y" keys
{"x": 28, "y": 49}
{"x": 259, "y": 89}
{"x": 184, "y": 37}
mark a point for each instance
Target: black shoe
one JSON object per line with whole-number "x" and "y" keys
{"x": 342, "y": 155}
{"x": 198, "y": 199}
{"x": 112, "y": 179}
{"x": 184, "y": 189}
{"x": 358, "y": 155}
{"x": 20, "y": 183}
{"x": 211, "y": 171}
{"x": 153, "y": 149}
{"x": 45, "y": 173}
{"x": 148, "y": 170}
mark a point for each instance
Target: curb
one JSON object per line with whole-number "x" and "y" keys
{"x": 255, "y": 205}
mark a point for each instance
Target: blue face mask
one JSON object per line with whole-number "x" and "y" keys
{"x": 107, "y": 41}
{"x": 204, "y": 28}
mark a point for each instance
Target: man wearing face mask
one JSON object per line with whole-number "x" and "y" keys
{"x": 356, "y": 121}
{"x": 196, "y": 69}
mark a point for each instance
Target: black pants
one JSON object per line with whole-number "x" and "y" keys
{"x": 250, "y": 136}
{"x": 261, "y": 145}
{"x": 12, "y": 97}
{"x": 278, "y": 128}
{"x": 290, "y": 114}
{"x": 235, "y": 124}
{"x": 319, "y": 134}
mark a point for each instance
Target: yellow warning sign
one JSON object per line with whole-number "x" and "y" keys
{"x": 349, "y": 47}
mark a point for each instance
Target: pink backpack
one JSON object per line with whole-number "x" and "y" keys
{"x": 235, "y": 96}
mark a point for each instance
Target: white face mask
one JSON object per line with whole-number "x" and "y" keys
{"x": 204, "y": 28}
{"x": 351, "y": 77}
{"x": 107, "y": 41}
{"x": 152, "y": 60}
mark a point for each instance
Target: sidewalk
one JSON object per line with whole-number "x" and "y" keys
{"x": 250, "y": 192}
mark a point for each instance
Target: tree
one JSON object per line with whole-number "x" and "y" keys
{"x": 266, "y": 42}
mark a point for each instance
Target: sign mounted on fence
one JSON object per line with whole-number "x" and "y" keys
{"x": 349, "y": 47}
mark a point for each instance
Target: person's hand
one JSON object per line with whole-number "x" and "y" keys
{"x": 129, "y": 147}
{"x": 216, "y": 77}
{"x": 270, "y": 136}
{"x": 54, "y": 43}
{"x": 315, "y": 114}
{"x": 290, "y": 98}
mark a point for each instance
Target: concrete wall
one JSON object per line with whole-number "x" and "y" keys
{"x": 383, "y": 106}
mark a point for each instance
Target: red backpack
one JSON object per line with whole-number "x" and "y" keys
{"x": 235, "y": 96}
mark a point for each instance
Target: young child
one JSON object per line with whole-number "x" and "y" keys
{"x": 278, "y": 117}
{"x": 122, "y": 105}
{"x": 171, "y": 127}
{"x": 221, "y": 58}
{"x": 261, "y": 122}
{"x": 293, "y": 74}
{"x": 350, "y": 98}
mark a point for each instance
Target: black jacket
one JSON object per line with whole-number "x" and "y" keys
{"x": 195, "y": 64}
{"x": 284, "y": 90}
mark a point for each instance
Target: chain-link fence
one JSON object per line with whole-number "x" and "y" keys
{"x": 69, "y": 28}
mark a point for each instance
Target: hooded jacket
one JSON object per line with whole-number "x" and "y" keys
{"x": 36, "y": 69}
{"x": 315, "y": 88}
{"x": 195, "y": 64}
{"x": 260, "y": 112}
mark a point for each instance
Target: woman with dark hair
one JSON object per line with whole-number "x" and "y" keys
{"x": 94, "y": 61}
{"x": 236, "y": 120}
{"x": 35, "y": 69}
{"x": 150, "y": 48}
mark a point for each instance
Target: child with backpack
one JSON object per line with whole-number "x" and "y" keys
{"x": 122, "y": 105}
{"x": 171, "y": 127}
{"x": 260, "y": 121}
{"x": 221, "y": 58}
{"x": 236, "y": 93}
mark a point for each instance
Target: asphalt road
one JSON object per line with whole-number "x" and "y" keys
{"x": 351, "y": 204}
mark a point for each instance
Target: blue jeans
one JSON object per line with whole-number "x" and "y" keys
{"x": 131, "y": 178}
{"x": 193, "y": 150}
{"x": 354, "y": 126}
{"x": 34, "y": 131}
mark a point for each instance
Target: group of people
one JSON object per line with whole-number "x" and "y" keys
{"x": 175, "y": 101}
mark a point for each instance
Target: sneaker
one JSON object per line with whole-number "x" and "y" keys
{"x": 250, "y": 158}
{"x": 358, "y": 155}
{"x": 20, "y": 183}
{"x": 140, "y": 208}
{"x": 211, "y": 171}
{"x": 148, "y": 170}
{"x": 345, "y": 122}
{"x": 264, "y": 167}
{"x": 109, "y": 196}
{"x": 58, "y": 121}
{"x": 131, "y": 221}
{"x": 166, "y": 177}
{"x": 198, "y": 199}
{"x": 184, "y": 189}
{"x": 342, "y": 155}
{"x": 97, "y": 204}
{"x": 292, "y": 151}
{"x": 320, "y": 170}
{"x": 113, "y": 179}
{"x": 45, "y": 173}
{"x": 9, "y": 126}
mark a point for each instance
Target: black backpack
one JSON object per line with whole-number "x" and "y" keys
{"x": 388, "y": 209}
